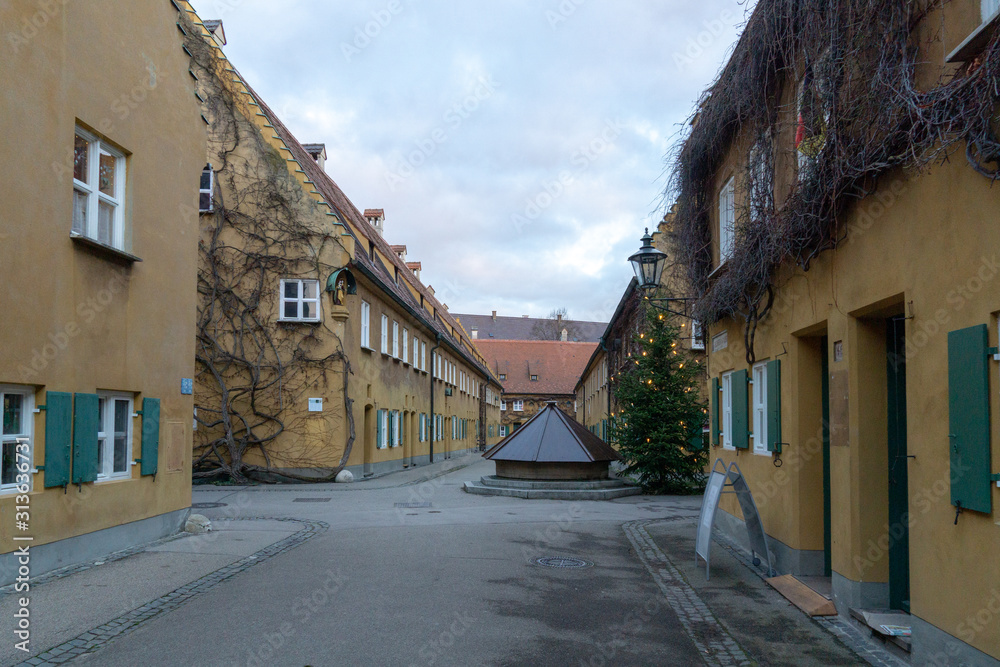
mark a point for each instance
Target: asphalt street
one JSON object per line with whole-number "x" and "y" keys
{"x": 410, "y": 570}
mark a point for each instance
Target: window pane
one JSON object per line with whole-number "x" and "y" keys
{"x": 107, "y": 173}
{"x": 100, "y": 456}
{"x": 205, "y": 202}
{"x": 309, "y": 289}
{"x": 13, "y": 407}
{"x": 81, "y": 151}
{"x": 291, "y": 289}
{"x": 106, "y": 223}
{"x": 206, "y": 180}
{"x": 308, "y": 310}
{"x": 79, "y": 212}
{"x": 120, "y": 463}
{"x": 8, "y": 471}
{"x": 291, "y": 310}
{"x": 121, "y": 417}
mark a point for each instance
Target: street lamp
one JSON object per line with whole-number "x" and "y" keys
{"x": 648, "y": 264}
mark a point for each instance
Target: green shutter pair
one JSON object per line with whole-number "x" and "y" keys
{"x": 71, "y": 438}
{"x": 739, "y": 390}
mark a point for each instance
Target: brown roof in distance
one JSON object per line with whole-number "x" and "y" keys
{"x": 374, "y": 213}
{"x": 528, "y": 328}
{"x": 552, "y": 437}
{"x": 557, "y": 364}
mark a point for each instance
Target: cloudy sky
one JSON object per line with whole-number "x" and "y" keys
{"x": 517, "y": 146}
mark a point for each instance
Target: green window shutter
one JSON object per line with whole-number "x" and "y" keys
{"x": 150, "y": 436}
{"x": 774, "y": 406}
{"x": 58, "y": 437}
{"x": 378, "y": 429}
{"x": 741, "y": 410}
{"x": 969, "y": 418}
{"x": 86, "y": 418}
{"x": 715, "y": 411}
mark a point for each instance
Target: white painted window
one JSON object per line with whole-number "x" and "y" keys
{"x": 503, "y": 431}
{"x": 18, "y": 404}
{"x": 503, "y": 405}
{"x": 385, "y": 334}
{"x": 397, "y": 436}
{"x": 114, "y": 437}
{"x": 423, "y": 357}
{"x": 760, "y": 409}
{"x": 518, "y": 406}
{"x": 416, "y": 353}
{"x": 406, "y": 346}
{"x": 366, "y": 325}
{"x": 989, "y": 8}
{"x": 299, "y": 301}
{"x": 727, "y": 220}
{"x": 727, "y": 410}
{"x": 697, "y": 335}
{"x": 395, "y": 339}
{"x": 383, "y": 429}
{"x": 98, "y": 190}
{"x": 206, "y": 190}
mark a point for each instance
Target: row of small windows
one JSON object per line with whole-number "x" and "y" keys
{"x": 389, "y": 431}
{"x": 516, "y": 406}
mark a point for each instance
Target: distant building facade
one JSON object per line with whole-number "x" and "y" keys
{"x": 498, "y": 327}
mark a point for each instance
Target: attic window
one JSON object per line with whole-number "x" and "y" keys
{"x": 503, "y": 376}
{"x": 534, "y": 378}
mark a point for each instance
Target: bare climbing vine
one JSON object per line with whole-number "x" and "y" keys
{"x": 857, "y": 112}
{"x": 254, "y": 372}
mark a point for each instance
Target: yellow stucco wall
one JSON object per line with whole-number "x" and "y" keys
{"x": 75, "y": 320}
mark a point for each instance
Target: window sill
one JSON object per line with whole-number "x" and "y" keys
{"x": 282, "y": 320}
{"x": 105, "y": 250}
{"x": 976, "y": 42}
{"x": 367, "y": 349}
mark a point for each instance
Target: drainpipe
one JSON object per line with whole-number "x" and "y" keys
{"x": 433, "y": 425}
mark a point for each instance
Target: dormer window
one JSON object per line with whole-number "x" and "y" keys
{"x": 534, "y": 378}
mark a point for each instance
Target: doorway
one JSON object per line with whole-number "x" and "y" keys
{"x": 825, "y": 398}
{"x": 899, "y": 491}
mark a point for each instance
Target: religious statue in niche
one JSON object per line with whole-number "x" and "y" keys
{"x": 340, "y": 291}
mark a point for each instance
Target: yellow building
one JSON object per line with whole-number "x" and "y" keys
{"x": 319, "y": 348}
{"x": 846, "y": 268}
{"x": 103, "y": 148}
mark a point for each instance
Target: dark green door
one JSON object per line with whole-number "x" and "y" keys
{"x": 827, "y": 535}
{"x": 899, "y": 496}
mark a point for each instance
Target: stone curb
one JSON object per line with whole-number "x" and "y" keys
{"x": 98, "y": 637}
{"x": 716, "y": 646}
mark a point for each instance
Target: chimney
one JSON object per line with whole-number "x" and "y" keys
{"x": 559, "y": 319}
{"x": 415, "y": 267}
{"x": 565, "y": 335}
{"x": 494, "y": 316}
{"x": 524, "y": 317}
{"x": 475, "y": 333}
{"x": 318, "y": 153}
{"x": 430, "y": 288}
{"x": 400, "y": 251}
{"x": 215, "y": 29}
{"x": 376, "y": 218}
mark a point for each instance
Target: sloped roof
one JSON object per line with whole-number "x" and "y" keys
{"x": 552, "y": 437}
{"x": 557, "y": 364}
{"x": 375, "y": 269}
{"x": 523, "y": 328}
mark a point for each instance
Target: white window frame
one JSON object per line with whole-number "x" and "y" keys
{"x": 395, "y": 339}
{"x": 727, "y": 220}
{"x": 107, "y": 434}
{"x": 503, "y": 406}
{"x": 727, "y": 411}
{"x": 385, "y": 334}
{"x": 406, "y": 346}
{"x": 27, "y": 430}
{"x": 366, "y": 325}
{"x": 383, "y": 416}
{"x": 299, "y": 300}
{"x": 759, "y": 395}
{"x": 503, "y": 431}
{"x": 519, "y": 406}
{"x": 697, "y": 335}
{"x": 423, "y": 356}
{"x": 92, "y": 191}
{"x": 416, "y": 353}
{"x": 203, "y": 191}
{"x": 397, "y": 436}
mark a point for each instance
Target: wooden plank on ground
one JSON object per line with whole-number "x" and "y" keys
{"x": 802, "y": 596}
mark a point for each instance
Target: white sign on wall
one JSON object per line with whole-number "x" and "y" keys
{"x": 315, "y": 405}
{"x": 720, "y": 341}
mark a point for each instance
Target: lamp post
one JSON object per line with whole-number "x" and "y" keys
{"x": 648, "y": 265}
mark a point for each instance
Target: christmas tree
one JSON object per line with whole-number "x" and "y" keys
{"x": 661, "y": 414}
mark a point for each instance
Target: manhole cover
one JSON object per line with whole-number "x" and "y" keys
{"x": 206, "y": 506}
{"x": 412, "y": 506}
{"x": 311, "y": 500}
{"x": 562, "y": 562}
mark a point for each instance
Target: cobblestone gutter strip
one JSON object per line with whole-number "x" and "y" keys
{"x": 716, "y": 645}
{"x": 847, "y": 634}
{"x": 126, "y": 623}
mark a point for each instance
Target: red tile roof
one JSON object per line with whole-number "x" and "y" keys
{"x": 557, "y": 364}
{"x": 374, "y": 213}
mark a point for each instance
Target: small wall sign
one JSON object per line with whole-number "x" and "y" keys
{"x": 187, "y": 387}
{"x": 315, "y": 405}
